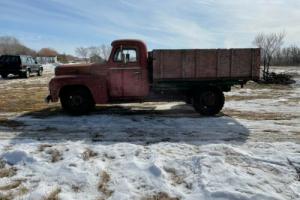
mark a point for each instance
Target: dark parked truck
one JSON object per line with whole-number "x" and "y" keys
{"x": 21, "y": 65}
{"x": 197, "y": 76}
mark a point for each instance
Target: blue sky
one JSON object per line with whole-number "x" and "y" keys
{"x": 67, "y": 24}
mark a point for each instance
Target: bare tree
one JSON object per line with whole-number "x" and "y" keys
{"x": 269, "y": 44}
{"x": 11, "y": 45}
{"x": 94, "y": 51}
{"x": 82, "y": 52}
{"x": 95, "y": 54}
{"x": 105, "y": 51}
{"x": 47, "y": 52}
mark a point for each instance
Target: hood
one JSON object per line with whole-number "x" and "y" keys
{"x": 71, "y": 69}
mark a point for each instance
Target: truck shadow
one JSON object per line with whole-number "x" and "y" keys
{"x": 115, "y": 124}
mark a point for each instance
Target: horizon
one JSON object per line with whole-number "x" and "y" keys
{"x": 65, "y": 26}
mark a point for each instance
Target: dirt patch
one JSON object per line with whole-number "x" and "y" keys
{"x": 250, "y": 115}
{"x": 53, "y": 195}
{"x": 56, "y": 155}
{"x": 254, "y": 85}
{"x": 10, "y": 186}
{"x": 42, "y": 147}
{"x": 245, "y": 98}
{"x": 76, "y": 188}
{"x": 161, "y": 196}
{"x": 8, "y": 196}
{"x": 103, "y": 184}
{"x": 8, "y": 172}
{"x": 177, "y": 177}
{"x": 88, "y": 153}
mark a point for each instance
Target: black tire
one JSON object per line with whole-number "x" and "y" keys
{"x": 209, "y": 102}
{"x": 40, "y": 72}
{"x": 77, "y": 101}
{"x": 4, "y": 75}
{"x": 26, "y": 74}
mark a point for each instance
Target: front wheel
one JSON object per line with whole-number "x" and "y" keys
{"x": 26, "y": 74}
{"x": 4, "y": 75}
{"x": 77, "y": 101}
{"x": 40, "y": 72}
{"x": 209, "y": 102}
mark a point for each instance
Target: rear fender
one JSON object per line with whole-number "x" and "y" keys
{"x": 96, "y": 86}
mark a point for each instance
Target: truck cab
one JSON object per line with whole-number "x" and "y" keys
{"x": 124, "y": 77}
{"x": 127, "y": 70}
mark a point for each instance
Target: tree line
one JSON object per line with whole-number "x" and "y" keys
{"x": 11, "y": 45}
{"x": 94, "y": 53}
{"x": 272, "y": 52}
{"x": 287, "y": 56}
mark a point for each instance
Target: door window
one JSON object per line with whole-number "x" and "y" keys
{"x": 125, "y": 55}
{"x": 28, "y": 61}
{"x": 32, "y": 60}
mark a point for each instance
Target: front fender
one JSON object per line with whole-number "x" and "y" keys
{"x": 96, "y": 85}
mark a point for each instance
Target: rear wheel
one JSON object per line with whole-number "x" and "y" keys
{"x": 77, "y": 101}
{"x": 209, "y": 102}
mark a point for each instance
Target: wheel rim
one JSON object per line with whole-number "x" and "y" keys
{"x": 208, "y": 99}
{"x": 27, "y": 73}
{"x": 75, "y": 101}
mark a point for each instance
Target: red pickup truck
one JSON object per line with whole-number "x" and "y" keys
{"x": 132, "y": 74}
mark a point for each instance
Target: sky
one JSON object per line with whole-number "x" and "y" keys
{"x": 67, "y": 24}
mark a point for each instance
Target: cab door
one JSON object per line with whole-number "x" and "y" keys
{"x": 126, "y": 74}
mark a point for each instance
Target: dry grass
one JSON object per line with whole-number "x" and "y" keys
{"x": 8, "y": 196}
{"x": 42, "y": 147}
{"x": 14, "y": 194}
{"x": 10, "y": 186}
{"x": 177, "y": 178}
{"x": 23, "y": 190}
{"x": 102, "y": 185}
{"x": 55, "y": 155}
{"x": 27, "y": 99}
{"x": 174, "y": 176}
{"x": 250, "y": 115}
{"x": 88, "y": 153}
{"x": 244, "y": 98}
{"x": 7, "y": 172}
{"x": 110, "y": 157}
{"x": 53, "y": 195}
{"x": 21, "y": 95}
{"x": 161, "y": 196}
{"x": 76, "y": 188}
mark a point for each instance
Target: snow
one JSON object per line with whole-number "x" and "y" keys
{"x": 15, "y": 157}
{"x": 149, "y": 148}
{"x": 207, "y": 171}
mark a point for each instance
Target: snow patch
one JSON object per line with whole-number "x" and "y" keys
{"x": 16, "y": 157}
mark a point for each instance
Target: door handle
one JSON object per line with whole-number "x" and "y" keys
{"x": 136, "y": 72}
